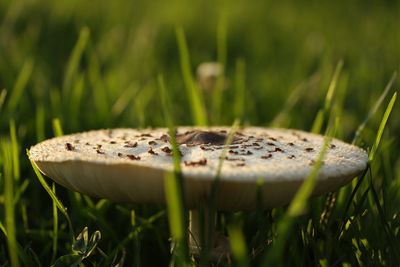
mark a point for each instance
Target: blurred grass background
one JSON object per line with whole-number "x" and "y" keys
{"x": 95, "y": 65}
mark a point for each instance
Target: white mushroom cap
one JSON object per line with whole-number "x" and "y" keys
{"x": 129, "y": 165}
{"x": 208, "y": 73}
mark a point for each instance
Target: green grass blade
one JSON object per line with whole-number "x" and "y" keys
{"x": 101, "y": 99}
{"x": 382, "y": 127}
{"x": 3, "y": 95}
{"x": 126, "y": 98}
{"x": 196, "y": 103}
{"x": 55, "y": 227}
{"x": 221, "y": 58}
{"x": 213, "y": 198}
{"x": 374, "y": 108}
{"x": 57, "y": 129}
{"x": 238, "y": 246}
{"x": 325, "y": 111}
{"x": 74, "y": 60}
{"x": 20, "y": 250}
{"x": 386, "y": 227}
{"x": 240, "y": 89}
{"x": 40, "y": 123}
{"x": 283, "y": 118}
{"x": 174, "y": 189}
{"x": 76, "y": 99}
{"x": 15, "y": 150}
{"x": 52, "y": 195}
{"x": 296, "y": 208}
{"x": 20, "y": 85}
{"x": 10, "y": 224}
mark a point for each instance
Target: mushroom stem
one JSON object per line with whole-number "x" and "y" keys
{"x": 195, "y": 224}
{"x": 198, "y": 229}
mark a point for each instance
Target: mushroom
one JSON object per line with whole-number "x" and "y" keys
{"x": 129, "y": 165}
{"x": 208, "y": 73}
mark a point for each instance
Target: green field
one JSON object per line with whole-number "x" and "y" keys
{"x": 71, "y": 66}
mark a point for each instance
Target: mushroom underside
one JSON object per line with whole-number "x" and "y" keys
{"x": 141, "y": 184}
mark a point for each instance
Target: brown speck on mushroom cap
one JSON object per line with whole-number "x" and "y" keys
{"x": 151, "y": 151}
{"x": 69, "y": 147}
{"x": 135, "y": 175}
{"x": 166, "y": 150}
{"x": 200, "y": 162}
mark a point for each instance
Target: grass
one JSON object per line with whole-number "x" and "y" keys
{"x": 74, "y": 66}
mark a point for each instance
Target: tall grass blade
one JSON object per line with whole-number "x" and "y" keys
{"x": 3, "y": 95}
{"x": 76, "y": 99}
{"x": 374, "y": 108}
{"x": 324, "y": 112}
{"x": 213, "y": 198}
{"x": 74, "y": 60}
{"x": 40, "y": 121}
{"x": 52, "y": 195}
{"x": 20, "y": 85}
{"x": 101, "y": 99}
{"x": 124, "y": 100}
{"x": 221, "y": 58}
{"x": 382, "y": 127}
{"x": 283, "y": 118}
{"x": 20, "y": 250}
{"x": 57, "y": 129}
{"x": 386, "y": 227}
{"x": 240, "y": 89}
{"x": 10, "y": 224}
{"x": 55, "y": 226}
{"x": 297, "y": 207}
{"x": 196, "y": 102}
{"x": 15, "y": 150}
{"x": 174, "y": 189}
{"x": 238, "y": 246}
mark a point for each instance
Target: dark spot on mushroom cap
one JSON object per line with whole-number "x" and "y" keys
{"x": 164, "y": 138}
{"x": 133, "y": 157}
{"x": 113, "y": 142}
{"x": 151, "y": 151}
{"x": 267, "y": 156}
{"x": 198, "y": 137}
{"x": 99, "y": 151}
{"x": 277, "y": 149}
{"x": 129, "y": 144}
{"x": 152, "y": 142}
{"x": 233, "y": 152}
{"x": 333, "y": 146}
{"x": 241, "y": 164}
{"x": 201, "y": 162}
{"x": 166, "y": 150}
{"x": 234, "y": 159}
{"x": 119, "y": 154}
{"x": 145, "y": 135}
{"x": 202, "y": 147}
{"x": 291, "y": 156}
{"x": 309, "y": 149}
{"x": 290, "y": 144}
{"x": 69, "y": 147}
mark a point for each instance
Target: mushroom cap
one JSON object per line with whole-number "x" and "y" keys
{"x": 129, "y": 165}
